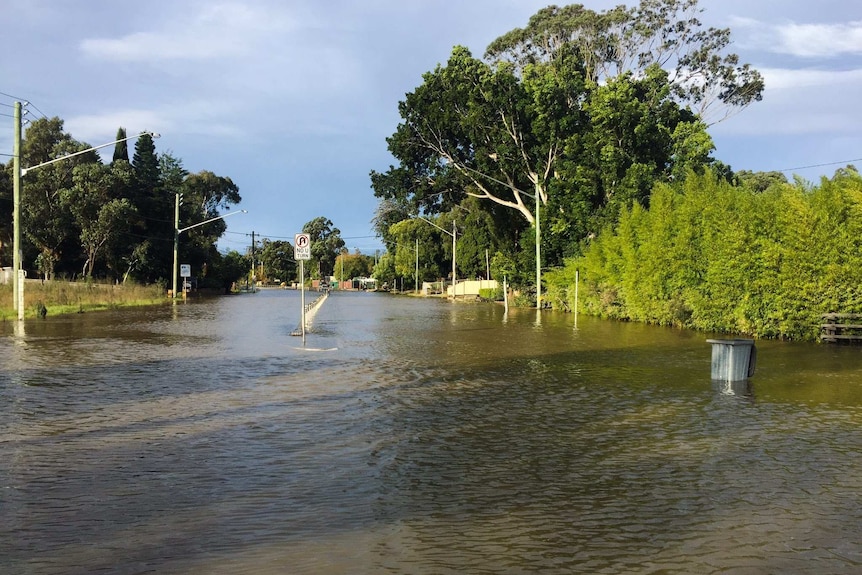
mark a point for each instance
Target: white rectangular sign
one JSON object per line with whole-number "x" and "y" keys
{"x": 185, "y": 270}
{"x": 302, "y": 247}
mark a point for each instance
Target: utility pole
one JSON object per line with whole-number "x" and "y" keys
{"x": 17, "y": 287}
{"x": 538, "y": 254}
{"x": 454, "y": 280}
{"x": 177, "y": 197}
{"x": 252, "y": 258}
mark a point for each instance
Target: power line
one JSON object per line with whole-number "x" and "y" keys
{"x": 32, "y": 105}
{"x": 11, "y": 96}
{"x": 24, "y": 102}
{"x": 820, "y": 165}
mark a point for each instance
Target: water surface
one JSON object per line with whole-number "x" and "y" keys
{"x": 417, "y": 436}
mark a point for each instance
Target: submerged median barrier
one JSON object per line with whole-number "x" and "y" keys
{"x": 309, "y": 313}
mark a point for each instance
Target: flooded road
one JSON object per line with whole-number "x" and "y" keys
{"x": 417, "y": 436}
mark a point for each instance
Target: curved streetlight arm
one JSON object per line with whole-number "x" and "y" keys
{"x": 179, "y": 231}
{"x": 67, "y": 156}
{"x": 436, "y": 226}
{"x": 454, "y": 234}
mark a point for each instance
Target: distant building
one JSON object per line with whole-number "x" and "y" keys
{"x": 364, "y": 283}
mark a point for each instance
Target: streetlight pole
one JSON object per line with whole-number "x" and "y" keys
{"x": 454, "y": 279}
{"x": 454, "y": 234}
{"x": 538, "y": 228}
{"x": 16, "y": 216}
{"x": 178, "y": 231}
{"x": 176, "y": 242}
{"x": 538, "y": 256}
{"x": 17, "y": 174}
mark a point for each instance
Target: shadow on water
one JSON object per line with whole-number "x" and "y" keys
{"x": 434, "y": 439}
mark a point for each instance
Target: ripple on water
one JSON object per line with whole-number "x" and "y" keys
{"x": 432, "y": 439}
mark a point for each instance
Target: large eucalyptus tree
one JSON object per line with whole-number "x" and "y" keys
{"x": 579, "y": 112}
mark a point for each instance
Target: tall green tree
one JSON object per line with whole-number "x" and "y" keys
{"x": 415, "y": 239}
{"x": 665, "y": 33}
{"x": 580, "y": 113}
{"x": 637, "y": 136}
{"x": 121, "y": 149}
{"x": 155, "y": 207}
{"x": 205, "y": 196}
{"x": 326, "y": 244}
{"x": 470, "y": 129}
{"x": 6, "y": 209}
{"x": 46, "y": 198}
{"x": 759, "y": 181}
{"x": 228, "y": 270}
{"x": 277, "y": 258}
{"x": 348, "y": 266}
{"x": 102, "y": 219}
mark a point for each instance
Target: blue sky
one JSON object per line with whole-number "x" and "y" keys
{"x": 293, "y": 99}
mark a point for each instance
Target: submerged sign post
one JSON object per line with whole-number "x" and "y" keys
{"x": 302, "y": 252}
{"x": 185, "y": 273}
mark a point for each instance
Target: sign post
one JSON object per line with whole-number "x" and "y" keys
{"x": 302, "y": 252}
{"x": 185, "y": 273}
{"x": 20, "y": 302}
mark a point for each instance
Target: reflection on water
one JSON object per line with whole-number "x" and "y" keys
{"x": 429, "y": 438}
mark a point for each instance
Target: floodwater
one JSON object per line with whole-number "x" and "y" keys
{"x": 417, "y": 436}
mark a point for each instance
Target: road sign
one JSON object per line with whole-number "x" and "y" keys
{"x": 185, "y": 270}
{"x": 302, "y": 247}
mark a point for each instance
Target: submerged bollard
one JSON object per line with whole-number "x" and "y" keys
{"x": 733, "y": 359}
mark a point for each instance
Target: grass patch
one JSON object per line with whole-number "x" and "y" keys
{"x": 58, "y": 298}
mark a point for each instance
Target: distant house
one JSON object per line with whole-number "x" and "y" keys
{"x": 363, "y": 283}
{"x": 471, "y": 287}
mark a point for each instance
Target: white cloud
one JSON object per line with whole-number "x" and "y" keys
{"x": 802, "y": 40}
{"x": 216, "y": 31}
{"x": 96, "y": 128}
{"x": 193, "y": 117}
{"x": 802, "y": 102}
{"x": 788, "y": 79}
{"x": 820, "y": 40}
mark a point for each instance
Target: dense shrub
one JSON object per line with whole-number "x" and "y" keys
{"x": 713, "y": 256}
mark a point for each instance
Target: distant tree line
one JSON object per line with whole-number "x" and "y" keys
{"x": 82, "y": 218}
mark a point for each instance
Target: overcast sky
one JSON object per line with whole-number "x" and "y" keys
{"x": 293, "y": 99}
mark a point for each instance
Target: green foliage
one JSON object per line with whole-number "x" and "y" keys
{"x": 384, "y": 270}
{"x": 574, "y": 119}
{"x": 492, "y": 294}
{"x": 349, "y": 266}
{"x": 80, "y": 217}
{"x": 121, "y": 149}
{"x": 6, "y": 229}
{"x": 229, "y": 269}
{"x": 277, "y": 258}
{"x": 415, "y": 238}
{"x": 326, "y": 244}
{"x": 622, "y": 40}
{"x": 713, "y": 256}
{"x": 759, "y": 181}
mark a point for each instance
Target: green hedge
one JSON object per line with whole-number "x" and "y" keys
{"x": 712, "y": 256}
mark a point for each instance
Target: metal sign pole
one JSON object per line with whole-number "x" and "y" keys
{"x": 302, "y": 252}
{"x": 302, "y": 296}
